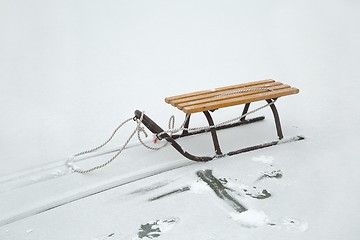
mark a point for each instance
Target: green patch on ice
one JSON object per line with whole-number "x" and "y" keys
{"x": 258, "y": 195}
{"x": 271, "y": 174}
{"x": 149, "y": 230}
{"x": 155, "y": 229}
{"x": 220, "y": 190}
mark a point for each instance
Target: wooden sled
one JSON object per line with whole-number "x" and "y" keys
{"x": 210, "y": 100}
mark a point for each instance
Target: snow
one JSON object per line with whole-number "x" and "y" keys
{"x": 263, "y": 159}
{"x": 70, "y": 72}
{"x": 291, "y": 223}
{"x": 251, "y": 218}
{"x": 199, "y": 187}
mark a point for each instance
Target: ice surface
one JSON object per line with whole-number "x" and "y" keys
{"x": 294, "y": 223}
{"x": 71, "y": 72}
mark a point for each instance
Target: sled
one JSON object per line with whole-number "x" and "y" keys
{"x": 211, "y": 100}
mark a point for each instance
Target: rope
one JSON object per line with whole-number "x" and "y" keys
{"x": 170, "y": 132}
{"x": 171, "y": 125}
{"x": 138, "y": 129}
{"x": 242, "y": 91}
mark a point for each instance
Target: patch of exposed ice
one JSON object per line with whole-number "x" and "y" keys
{"x": 152, "y": 230}
{"x": 150, "y": 188}
{"x": 271, "y": 174}
{"x": 251, "y": 218}
{"x": 104, "y": 236}
{"x": 166, "y": 225}
{"x": 29, "y": 230}
{"x": 263, "y": 159}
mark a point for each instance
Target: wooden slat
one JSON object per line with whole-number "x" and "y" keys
{"x": 230, "y": 96}
{"x": 199, "y": 93}
{"x": 239, "y": 100}
{"x": 218, "y": 97}
{"x": 212, "y": 94}
{"x": 169, "y": 99}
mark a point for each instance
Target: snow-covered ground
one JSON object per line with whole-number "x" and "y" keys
{"x": 71, "y": 71}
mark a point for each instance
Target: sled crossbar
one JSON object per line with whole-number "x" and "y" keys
{"x": 210, "y": 100}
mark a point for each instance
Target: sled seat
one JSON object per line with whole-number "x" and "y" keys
{"x": 210, "y": 100}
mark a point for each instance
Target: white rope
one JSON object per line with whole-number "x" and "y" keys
{"x": 170, "y": 132}
{"x": 171, "y": 126}
{"x": 138, "y": 129}
{"x": 242, "y": 91}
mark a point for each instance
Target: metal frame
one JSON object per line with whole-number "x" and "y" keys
{"x": 154, "y": 128}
